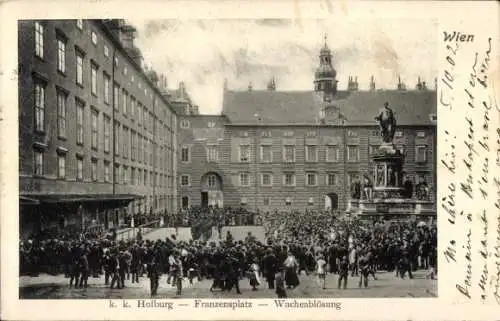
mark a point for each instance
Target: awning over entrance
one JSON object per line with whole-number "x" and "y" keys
{"x": 24, "y": 200}
{"x": 69, "y": 198}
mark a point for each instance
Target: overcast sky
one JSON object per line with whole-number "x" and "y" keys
{"x": 204, "y": 52}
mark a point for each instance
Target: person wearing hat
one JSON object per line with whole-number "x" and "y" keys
{"x": 321, "y": 271}
{"x": 270, "y": 265}
{"x": 280, "y": 283}
{"x": 153, "y": 270}
{"x": 343, "y": 272}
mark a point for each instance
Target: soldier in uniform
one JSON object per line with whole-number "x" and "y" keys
{"x": 153, "y": 274}
{"x": 343, "y": 271}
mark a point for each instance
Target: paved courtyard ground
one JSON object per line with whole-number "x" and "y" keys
{"x": 387, "y": 286}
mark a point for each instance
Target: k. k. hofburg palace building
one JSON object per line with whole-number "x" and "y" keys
{"x": 101, "y": 136}
{"x": 284, "y": 150}
{"x": 97, "y": 131}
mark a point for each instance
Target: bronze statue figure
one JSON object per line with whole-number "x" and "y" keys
{"x": 387, "y": 123}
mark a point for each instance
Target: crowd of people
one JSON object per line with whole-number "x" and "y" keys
{"x": 310, "y": 242}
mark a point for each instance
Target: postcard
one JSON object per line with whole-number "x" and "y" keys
{"x": 281, "y": 160}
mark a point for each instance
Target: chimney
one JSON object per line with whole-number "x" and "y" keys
{"x": 435, "y": 83}
{"x": 271, "y": 85}
{"x": 419, "y": 84}
{"x": 401, "y": 85}
{"x": 424, "y": 86}
{"x": 250, "y": 87}
{"x": 372, "y": 83}
{"x": 356, "y": 85}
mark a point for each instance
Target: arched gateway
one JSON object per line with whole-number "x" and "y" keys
{"x": 211, "y": 190}
{"x": 331, "y": 201}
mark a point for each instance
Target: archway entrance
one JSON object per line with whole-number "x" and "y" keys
{"x": 331, "y": 201}
{"x": 211, "y": 190}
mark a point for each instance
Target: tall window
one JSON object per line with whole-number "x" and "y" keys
{"x": 331, "y": 179}
{"x": 421, "y": 154}
{"x": 61, "y": 55}
{"x": 244, "y": 153}
{"x": 116, "y": 91}
{"x": 94, "y": 128}
{"x": 106, "y": 51}
{"x": 107, "y": 80}
{"x": 213, "y": 153}
{"x": 125, "y": 175}
{"x": 125, "y": 140}
{"x": 79, "y": 121}
{"x": 61, "y": 166}
{"x": 39, "y": 30}
{"x": 266, "y": 179}
{"x": 289, "y": 153}
{"x": 332, "y": 153}
{"x": 93, "y": 78}
{"x": 185, "y": 154}
{"x": 79, "y": 68}
{"x": 125, "y": 107}
{"x": 311, "y": 179}
{"x": 132, "y": 108}
{"x": 139, "y": 113}
{"x": 61, "y": 114}
{"x": 39, "y": 106}
{"x": 133, "y": 178}
{"x": 117, "y": 138}
{"x": 244, "y": 181}
{"x": 265, "y": 154}
{"x": 353, "y": 153}
{"x": 79, "y": 168}
{"x": 133, "y": 143}
{"x": 311, "y": 153}
{"x": 107, "y": 128}
{"x": 185, "y": 180}
{"x": 38, "y": 160}
{"x": 107, "y": 171}
{"x": 289, "y": 179}
{"x": 94, "y": 170}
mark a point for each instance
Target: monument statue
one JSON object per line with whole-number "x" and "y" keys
{"x": 387, "y": 123}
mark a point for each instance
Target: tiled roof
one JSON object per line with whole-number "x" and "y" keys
{"x": 302, "y": 107}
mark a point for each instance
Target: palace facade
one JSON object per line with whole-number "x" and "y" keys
{"x": 97, "y": 134}
{"x": 284, "y": 150}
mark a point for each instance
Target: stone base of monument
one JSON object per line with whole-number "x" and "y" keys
{"x": 387, "y": 200}
{"x": 389, "y": 209}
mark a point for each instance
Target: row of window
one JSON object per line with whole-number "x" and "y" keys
{"x": 130, "y": 105}
{"x": 289, "y": 153}
{"x": 141, "y": 148}
{"x": 185, "y": 201}
{"x": 122, "y": 173}
{"x": 351, "y": 133}
{"x": 266, "y": 179}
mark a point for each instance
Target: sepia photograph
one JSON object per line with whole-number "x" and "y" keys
{"x": 157, "y": 160}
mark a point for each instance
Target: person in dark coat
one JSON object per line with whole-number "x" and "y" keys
{"x": 270, "y": 265}
{"x": 343, "y": 272}
{"x": 153, "y": 270}
{"x": 84, "y": 268}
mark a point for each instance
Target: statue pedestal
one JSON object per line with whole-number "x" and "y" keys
{"x": 387, "y": 201}
{"x": 387, "y": 172}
